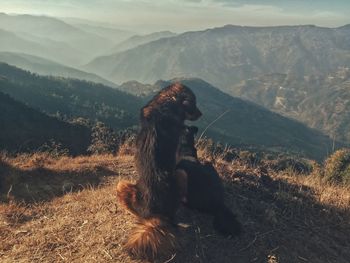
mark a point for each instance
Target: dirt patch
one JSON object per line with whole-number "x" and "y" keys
{"x": 40, "y": 178}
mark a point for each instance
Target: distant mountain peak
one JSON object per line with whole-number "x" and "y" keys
{"x": 344, "y": 27}
{"x": 231, "y": 26}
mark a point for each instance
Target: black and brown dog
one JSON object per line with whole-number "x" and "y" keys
{"x": 205, "y": 191}
{"x": 155, "y": 197}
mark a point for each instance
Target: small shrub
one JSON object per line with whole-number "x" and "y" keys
{"x": 295, "y": 165}
{"x": 225, "y": 152}
{"x": 53, "y": 149}
{"x": 205, "y": 148}
{"x": 337, "y": 167}
{"x": 127, "y": 140}
{"x": 209, "y": 150}
{"x": 104, "y": 140}
{"x": 250, "y": 158}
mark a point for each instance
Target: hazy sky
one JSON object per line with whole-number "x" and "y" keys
{"x": 181, "y": 15}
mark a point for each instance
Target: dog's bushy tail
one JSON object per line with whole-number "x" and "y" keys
{"x": 151, "y": 238}
{"x": 127, "y": 196}
{"x": 226, "y": 223}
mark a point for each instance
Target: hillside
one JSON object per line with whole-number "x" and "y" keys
{"x": 320, "y": 101}
{"x": 138, "y": 89}
{"x": 226, "y": 55}
{"x": 113, "y": 34}
{"x": 70, "y": 98}
{"x": 138, "y": 40}
{"x": 45, "y": 31}
{"x": 44, "y": 66}
{"x": 246, "y": 124}
{"x": 301, "y": 72}
{"x": 66, "y": 209}
{"x": 11, "y": 42}
{"x": 25, "y": 129}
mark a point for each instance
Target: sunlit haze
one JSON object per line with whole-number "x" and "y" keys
{"x": 183, "y": 15}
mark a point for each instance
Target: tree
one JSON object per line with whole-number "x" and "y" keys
{"x": 104, "y": 140}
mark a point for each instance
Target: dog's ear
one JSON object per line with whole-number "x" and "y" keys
{"x": 193, "y": 129}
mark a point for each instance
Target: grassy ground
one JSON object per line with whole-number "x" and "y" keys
{"x": 65, "y": 210}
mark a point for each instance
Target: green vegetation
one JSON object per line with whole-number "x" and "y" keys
{"x": 104, "y": 140}
{"x": 24, "y": 129}
{"x": 70, "y": 98}
{"x": 59, "y": 115}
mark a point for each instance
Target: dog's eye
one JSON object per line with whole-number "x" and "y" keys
{"x": 186, "y": 103}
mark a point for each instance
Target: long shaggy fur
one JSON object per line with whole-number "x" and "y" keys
{"x": 151, "y": 237}
{"x": 127, "y": 195}
{"x": 205, "y": 191}
{"x": 157, "y": 191}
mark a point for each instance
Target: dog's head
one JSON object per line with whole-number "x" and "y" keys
{"x": 189, "y": 104}
{"x": 187, "y": 142}
{"x": 176, "y": 99}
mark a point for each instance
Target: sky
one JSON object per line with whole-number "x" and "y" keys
{"x": 184, "y": 15}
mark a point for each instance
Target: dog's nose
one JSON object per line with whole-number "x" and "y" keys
{"x": 194, "y": 115}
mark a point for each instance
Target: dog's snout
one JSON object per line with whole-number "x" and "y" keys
{"x": 194, "y": 116}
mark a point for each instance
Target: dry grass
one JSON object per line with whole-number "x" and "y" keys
{"x": 65, "y": 210}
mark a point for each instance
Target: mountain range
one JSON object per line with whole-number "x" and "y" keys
{"x": 52, "y": 38}
{"x": 70, "y": 98}
{"x": 299, "y": 72}
{"x": 106, "y": 32}
{"x": 245, "y": 124}
{"x": 291, "y": 70}
{"x": 44, "y": 66}
{"x": 138, "y": 40}
{"x": 320, "y": 101}
{"x": 227, "y": 55}
{"x": 56, "y": 30}
{"x": 53, "y": 50}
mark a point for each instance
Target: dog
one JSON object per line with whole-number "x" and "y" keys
{"x": 155, "y": 197}
{"x": 204, "y": 191}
